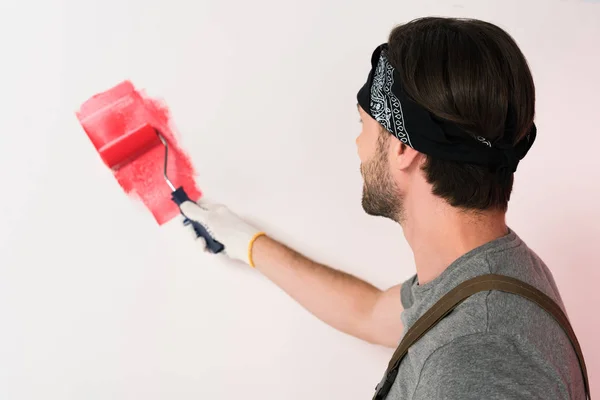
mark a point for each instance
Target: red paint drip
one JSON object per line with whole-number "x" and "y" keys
{"x": 111, "y": 120}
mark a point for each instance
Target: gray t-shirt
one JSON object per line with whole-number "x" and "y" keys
{"x": 495, "y": 345}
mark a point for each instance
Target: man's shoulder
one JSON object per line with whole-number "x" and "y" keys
{"x": 498, "y": 316}
{"x": 487, "y": 365}
{"x": 496, "y": 335}
{"x": 492, "y": 334}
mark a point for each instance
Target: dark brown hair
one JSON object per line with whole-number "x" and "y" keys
{"x": 469, "y": 72}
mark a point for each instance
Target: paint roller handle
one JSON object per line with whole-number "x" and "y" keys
{"x": 179, "y": 196}
{"x": 213, "y": 245}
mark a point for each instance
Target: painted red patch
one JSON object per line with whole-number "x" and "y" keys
{"x": 108, "y": 118}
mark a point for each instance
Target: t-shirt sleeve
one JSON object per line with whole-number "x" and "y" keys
{"x": 486, "y": 366}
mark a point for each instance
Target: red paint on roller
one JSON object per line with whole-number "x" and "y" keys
{"x": 120, "y": 122}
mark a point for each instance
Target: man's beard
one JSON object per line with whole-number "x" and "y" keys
{"x": 381, "y": 196}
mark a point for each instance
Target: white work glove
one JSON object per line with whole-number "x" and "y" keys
{"x": 236, "y": 235}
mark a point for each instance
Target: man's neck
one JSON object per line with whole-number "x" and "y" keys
{"x": 439, "y": 234}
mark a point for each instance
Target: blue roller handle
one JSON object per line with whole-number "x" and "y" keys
{"x": 179, "y": 196}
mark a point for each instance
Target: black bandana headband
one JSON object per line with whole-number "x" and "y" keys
{"x": 383, "y": 98}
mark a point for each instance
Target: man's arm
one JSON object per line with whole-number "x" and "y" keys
{"x": 339, "y": 299}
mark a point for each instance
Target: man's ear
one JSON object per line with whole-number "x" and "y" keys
{"x": 402, "y": 157}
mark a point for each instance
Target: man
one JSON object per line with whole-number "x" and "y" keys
{"x": 447, "y": 113}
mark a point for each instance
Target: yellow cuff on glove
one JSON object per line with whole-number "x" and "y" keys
{"x": 250, "y": 244}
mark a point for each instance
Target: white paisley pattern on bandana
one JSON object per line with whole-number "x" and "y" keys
{"x": 385, "y": 106}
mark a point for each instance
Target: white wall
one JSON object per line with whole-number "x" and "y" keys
{"x": 98, "y": 302}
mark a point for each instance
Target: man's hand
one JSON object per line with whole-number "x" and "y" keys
{"x": 235, "y": 234}
{"x": 341, "y": 300}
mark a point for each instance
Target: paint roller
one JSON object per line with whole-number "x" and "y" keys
{"x": 125, "y": 148}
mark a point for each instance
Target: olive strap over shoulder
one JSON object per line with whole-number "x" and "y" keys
{"x": 456, "y": 296}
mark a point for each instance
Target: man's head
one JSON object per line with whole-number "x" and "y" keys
{"x": 468, "y": 72}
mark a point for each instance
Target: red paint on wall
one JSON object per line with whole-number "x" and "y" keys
{"x": 108, "y": 117}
